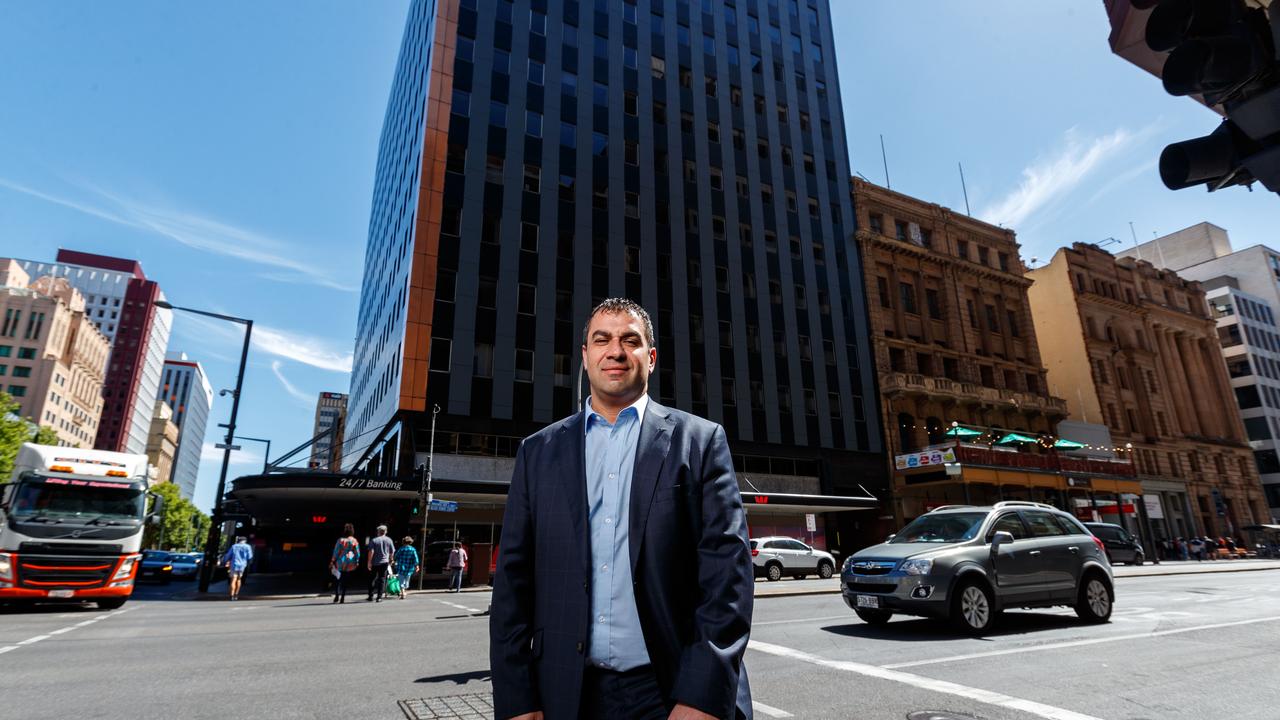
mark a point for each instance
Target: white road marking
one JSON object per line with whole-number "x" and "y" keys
{"x": 35, "y": 639}
{"x": 989, "y": 697}
{"x": 1079, "y": 643}
{"x": 803, "y": 620}
{"x": 460, "y": 607}
{"x": 60, "y": 631}
{"x": 63, "y": 630}
{"x": 7, "y": 648}
{"x": 86, "y": 622}
{"x": 770, "y": 710}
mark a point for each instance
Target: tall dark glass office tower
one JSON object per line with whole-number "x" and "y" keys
{"x": 541, "y": 155}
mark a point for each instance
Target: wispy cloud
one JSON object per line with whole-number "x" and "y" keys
{"x": 195, "y": 231}
{"x": 1051, "y": 177}
{"x": 286, "y": 344}
{"x": 288, "y": 386}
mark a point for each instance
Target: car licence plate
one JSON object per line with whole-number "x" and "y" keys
{"x": 61, "y": 593}
{"x": 868, "y": 601}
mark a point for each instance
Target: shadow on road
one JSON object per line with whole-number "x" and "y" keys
{"x": 456, "y": 678}
{"x": 927, "y": 629}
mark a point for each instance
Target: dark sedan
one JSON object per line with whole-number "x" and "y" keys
{"x": 156, "y": 566}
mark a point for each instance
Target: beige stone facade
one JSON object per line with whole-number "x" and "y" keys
{"x": 952, "y": 337}
{"x": 1133, "y": 347}
{"x": 162, "y": 441}
{"x": 52, "y": 358}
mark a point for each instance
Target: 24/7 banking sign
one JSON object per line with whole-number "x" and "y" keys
{"x": 922, "y": 459}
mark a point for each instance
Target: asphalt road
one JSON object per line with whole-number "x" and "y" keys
{"x": 1195, "y": 647}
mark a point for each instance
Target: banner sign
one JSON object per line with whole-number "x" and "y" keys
{"x": 923, "y": 459}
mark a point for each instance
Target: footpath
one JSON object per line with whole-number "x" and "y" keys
{"x": 292, "y": 586}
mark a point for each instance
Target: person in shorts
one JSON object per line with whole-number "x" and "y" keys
{"x": 236, "y": 561}
{"x": 405, "y": 563}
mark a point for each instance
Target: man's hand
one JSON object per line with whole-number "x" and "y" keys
{"x": 529, "y": 716}
{"x": 684, "y": 712}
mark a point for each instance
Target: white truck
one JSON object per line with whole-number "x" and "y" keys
{"x": 71, "y": 523}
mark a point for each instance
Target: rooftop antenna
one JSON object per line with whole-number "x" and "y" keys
{"x": 965, "y": 189}
{"x": 1136, "y": 246}
{"x": 885, "y": 158}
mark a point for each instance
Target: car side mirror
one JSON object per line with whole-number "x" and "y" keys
{"x": 157, "y": 507}
{"x": 891, "y": 537}
{"x": 6, "y": 493}
{"x": 1001, "y": 538}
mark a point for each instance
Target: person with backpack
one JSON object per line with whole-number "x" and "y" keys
{"x": 345, "y": 560}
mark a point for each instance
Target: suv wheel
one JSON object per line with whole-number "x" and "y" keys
{"x": 773, "y": 571}
{"x": 1093, "y": 602}
{"x": 874, "y": 617}
{"x": 972, "y": 609}
{"x": 825, "y": 570}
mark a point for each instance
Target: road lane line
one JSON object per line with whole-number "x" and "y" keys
{"x": 770, "y": 710}
{"x": 989, "y": 697}
{"x": 86, "y": 622}
{"x": 459, "y": 607}
{"x": 1078, "y": 643}
{"x": 846, "y": 616}
{"x": 7, "y": 648}
{"x": 63, "y": 630}
{"x": 35, "y": 639}
{"x": 60, "y": 631}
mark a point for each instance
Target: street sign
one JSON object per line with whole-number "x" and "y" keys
{"x": 811, "y": 522}
{"x": 224, "y": 446}
{"x": 444, "y": 506}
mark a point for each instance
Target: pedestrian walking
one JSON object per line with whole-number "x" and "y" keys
{"x": 1197, "y": 548}
{"x": 1211, "y": 548}
{"x": 405, "y": 563}
{"x": 381, "y": 549}
{"x": 345, "y": 560}
{"x": 624, "y": 585}
{"x": 236, "y": 561}
{"x": 458, "y": 561}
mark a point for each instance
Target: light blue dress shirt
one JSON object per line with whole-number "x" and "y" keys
{"x": 616, "y": 639}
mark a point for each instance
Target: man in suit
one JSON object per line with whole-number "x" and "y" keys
{"x": 624, "y": 584}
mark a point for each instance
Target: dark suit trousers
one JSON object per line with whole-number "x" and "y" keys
{"x": 630, "y": 695}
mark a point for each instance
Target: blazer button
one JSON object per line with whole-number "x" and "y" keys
{"x": 579, "y": 648}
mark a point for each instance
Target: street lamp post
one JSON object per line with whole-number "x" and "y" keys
{"x": 426, "y": 495}
{"x": 215, "y": 523}
{"x": 265, "y": 458}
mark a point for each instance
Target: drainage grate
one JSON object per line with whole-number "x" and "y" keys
{"x": 449, "y": 707}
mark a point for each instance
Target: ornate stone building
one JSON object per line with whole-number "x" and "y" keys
{"x": 1133, "y": 346}
{"x": 953, "y": 342}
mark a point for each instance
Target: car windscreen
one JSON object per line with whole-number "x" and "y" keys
{"x": 155, "y": 556}
{"x": 59, "y": 499}
{"x": 183, "y": 560}
{"x": 948, "y": 528}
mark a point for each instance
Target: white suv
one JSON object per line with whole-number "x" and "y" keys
{"x": 774, "y": 557}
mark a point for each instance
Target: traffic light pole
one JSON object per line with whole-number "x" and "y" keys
{"x": 424, "y": 496}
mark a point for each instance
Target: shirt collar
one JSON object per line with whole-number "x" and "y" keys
{"x": 641, "y": 405}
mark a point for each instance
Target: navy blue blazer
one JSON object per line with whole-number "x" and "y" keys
{"x": 690, "y": 562}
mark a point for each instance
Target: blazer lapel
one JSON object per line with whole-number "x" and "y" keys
{"x": 651, "y": 453}
{"x": 574, "y": 476}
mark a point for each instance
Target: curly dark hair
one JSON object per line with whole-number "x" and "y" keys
{"x": 621, "y": 305}
{"x": 348, "y": 530}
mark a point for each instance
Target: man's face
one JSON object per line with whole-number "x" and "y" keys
{"x": 617, "y": 357}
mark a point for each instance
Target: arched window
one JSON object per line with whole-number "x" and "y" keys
{"x": 906, "y": 428}
{"x": 933, "y": 426}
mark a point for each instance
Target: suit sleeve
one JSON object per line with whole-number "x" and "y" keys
{"x": 511, "y": 618}
{"x": 710, "y": 666}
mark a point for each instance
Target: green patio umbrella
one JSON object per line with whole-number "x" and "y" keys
{"x": 1065, "y": 444}
{"x": 962, "y": 432}
{"x": 1012, "y": 438}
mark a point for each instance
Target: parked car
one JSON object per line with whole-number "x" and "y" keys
{"x": 1121, "y": 546}
{"x": 775, "y": 557}
{"x": 156, "y": 566}
{"x": 185, "y": 565}
{"x": 967, "y": 564}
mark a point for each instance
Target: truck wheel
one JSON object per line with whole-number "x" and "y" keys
{"x": 112, "y": 603}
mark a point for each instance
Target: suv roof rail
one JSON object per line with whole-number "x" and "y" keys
{"x": 1024, "y": 503}
{"x": 950, "y": 507}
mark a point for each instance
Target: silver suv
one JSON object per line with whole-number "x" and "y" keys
{"x": 967, "y": 564}
{"x": 775, "y": 557}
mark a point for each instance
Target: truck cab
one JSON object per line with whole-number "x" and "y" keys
{"x": 71, "y": 523}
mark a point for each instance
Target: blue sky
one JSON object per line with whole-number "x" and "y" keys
{"x": 230, "y": 147}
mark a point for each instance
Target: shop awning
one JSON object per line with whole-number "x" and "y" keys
{"x": 962, "y": 432}
{"x": 1065, "y": 444}
{"x": 1014, "y": 438}
{"x": 789, "y": 503}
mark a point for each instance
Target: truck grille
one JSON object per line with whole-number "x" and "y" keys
{"x": 52, "y": 571}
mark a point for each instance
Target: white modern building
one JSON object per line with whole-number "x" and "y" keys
{"x": 1242, "y": 288}
{"x": 185, "y": 388}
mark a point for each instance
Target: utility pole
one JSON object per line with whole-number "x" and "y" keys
{"x": 424, "y": 496}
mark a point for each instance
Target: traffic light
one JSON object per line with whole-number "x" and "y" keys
{"x": 1224, "y": 51}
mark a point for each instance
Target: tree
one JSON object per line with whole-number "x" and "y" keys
{"x": 15, "y": 430}
{"x": 181, "y": 521}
